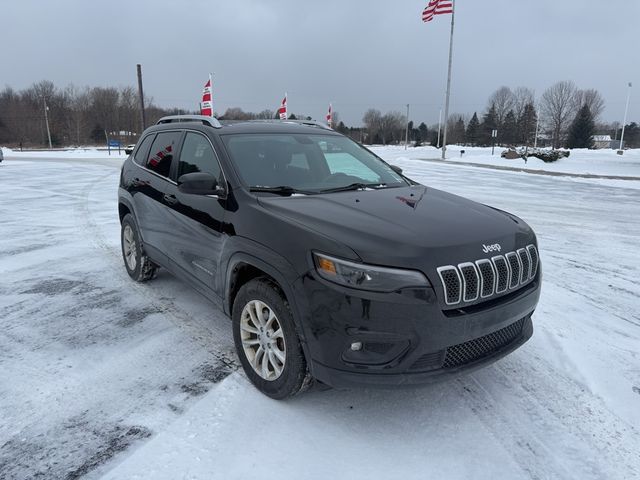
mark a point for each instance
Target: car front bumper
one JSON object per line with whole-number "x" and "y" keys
{"x": 363, "y": 338}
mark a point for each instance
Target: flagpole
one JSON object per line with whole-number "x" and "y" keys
{"x": 624, "y": 121}
{"x": 211, "y": 91}
{"x": 446, "y": 104}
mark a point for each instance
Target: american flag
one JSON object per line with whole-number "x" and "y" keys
{"x": 282, "y": 111}
{"x": 206, "y": 106}
{"x": 330, "y": 116}
{"x": 436, "y": 7}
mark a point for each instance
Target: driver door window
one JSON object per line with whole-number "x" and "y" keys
{"x": 197, "y": 155}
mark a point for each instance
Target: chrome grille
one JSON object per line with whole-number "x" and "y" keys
{"x": 485, "y": 278}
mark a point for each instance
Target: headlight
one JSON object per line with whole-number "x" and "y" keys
{"x": 367, "y": 277}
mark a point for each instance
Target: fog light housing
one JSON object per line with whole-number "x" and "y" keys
{"x": 356, "y": 346}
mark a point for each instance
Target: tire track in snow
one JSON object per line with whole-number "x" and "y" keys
{"x": 179, "y": 317}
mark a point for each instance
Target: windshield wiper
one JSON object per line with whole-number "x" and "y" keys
{"x": 354, "y": 186}
{"x": 280, "y": 190}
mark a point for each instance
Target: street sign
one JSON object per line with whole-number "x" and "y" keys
{"x": 494, "y": 133}
{"x": 114, "y": 143}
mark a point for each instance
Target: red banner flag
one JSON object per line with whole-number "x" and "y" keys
{"x": 436, "y": 7}
{"x": 330, "y": 117}
{"x": 282, "y": 111}
{"x": 206, "y": 106}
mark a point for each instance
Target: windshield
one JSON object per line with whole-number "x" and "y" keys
{"x": 307, "y": 163}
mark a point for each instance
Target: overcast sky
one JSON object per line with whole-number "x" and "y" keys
{"x": 354, "y": 53}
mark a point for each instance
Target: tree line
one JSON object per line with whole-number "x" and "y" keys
{"x": 564, "y": 116}
{"x": 77, "y": 116}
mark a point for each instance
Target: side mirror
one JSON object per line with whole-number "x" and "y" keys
{"x": 199, "y": 183}
{"x": 396, "y": 169}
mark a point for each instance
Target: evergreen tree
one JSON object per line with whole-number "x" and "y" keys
{"x": 424, "y": 132}
{"x": 582, "y": 129}
{"x": 489, "y": 123}
{"x": 527, "y": 125}
{"x": 509, "y": 129}
{"x": 460, "y": 133}
{"x": 473, "y": 130}
{"x": 292, "y": 117}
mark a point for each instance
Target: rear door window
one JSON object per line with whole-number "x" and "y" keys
{"x": 162, "y": 151}
{"x": 197, "y": 155}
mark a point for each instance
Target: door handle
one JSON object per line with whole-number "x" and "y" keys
{"x": 170, "y": 199}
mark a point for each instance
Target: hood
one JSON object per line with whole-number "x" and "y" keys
{"x": 412, "y": 227}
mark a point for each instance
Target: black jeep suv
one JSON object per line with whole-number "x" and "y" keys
{"x": 331, "y": 264}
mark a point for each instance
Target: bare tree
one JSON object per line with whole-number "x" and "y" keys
{"x": 592, "y": 99}
{"x": 522, "y": 96}
{"x": 372, "y": 120}
{"x": 265, "y": 115}
{"x": 558, "y": 104}
{"x": 392, "y": 127}
{"x": 503, "y": 100}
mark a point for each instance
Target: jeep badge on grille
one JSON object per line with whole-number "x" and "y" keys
{"x": 491, "y": 248}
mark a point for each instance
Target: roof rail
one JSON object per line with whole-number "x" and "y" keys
{"x": 313, "y": 123}
{"x": 211, "y": 121}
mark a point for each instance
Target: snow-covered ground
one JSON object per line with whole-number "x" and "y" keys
{"x": 581, "y": 161}
{"x": 101, "y": 377}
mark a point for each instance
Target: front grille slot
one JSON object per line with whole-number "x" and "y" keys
{"x": 533, "y": 253}
{"x": 452, "y": 284}
{"x": 478, "y": 348}
{"x": 503, "y": 272}
{"x": 471, "y": 281}
{"x": 485, "y": 277}
{"x": 516, "y": 268}
{"x": 525, "y": 260}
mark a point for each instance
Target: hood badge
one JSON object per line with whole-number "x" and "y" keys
{"x": 491, "y": 248}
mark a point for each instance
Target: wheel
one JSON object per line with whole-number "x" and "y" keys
{"x": 266, "y": 340}
{"x": 138, "y": 265}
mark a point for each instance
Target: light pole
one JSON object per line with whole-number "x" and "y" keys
{"x": 624, "y": 122}
{"x": 439, "y": 126}
{"x": 46, "y": 120}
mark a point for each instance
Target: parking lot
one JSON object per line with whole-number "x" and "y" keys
{"x": 102, "y": 376}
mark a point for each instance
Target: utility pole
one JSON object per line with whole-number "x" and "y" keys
{"x": 406, "y": 137}
{"x": 624, "y": 122}
{"x": 46, "y": 120}
{"x": 143, "y": 119}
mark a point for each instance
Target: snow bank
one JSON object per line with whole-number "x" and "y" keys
{"x": 581, "y": 161}
{"x": 71, "y": 153}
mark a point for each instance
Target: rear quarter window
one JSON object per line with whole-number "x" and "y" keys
{"x": 143, "y": 150}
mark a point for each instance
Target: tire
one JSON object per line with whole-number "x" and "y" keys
{"x": 138, "y": 265}
{"x": 286, "y": 373}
